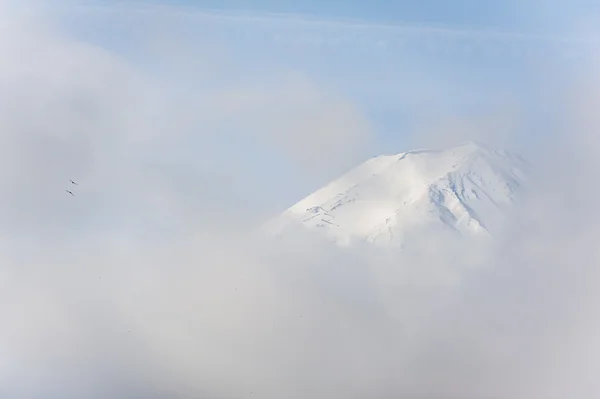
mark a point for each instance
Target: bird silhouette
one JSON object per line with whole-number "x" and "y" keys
{"x": 70, "y": 193}
{"x": 74, "y": 182}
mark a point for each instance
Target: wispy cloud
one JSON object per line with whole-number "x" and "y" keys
{"x": 306, "y": 30}
{"x": 305, "y": 21}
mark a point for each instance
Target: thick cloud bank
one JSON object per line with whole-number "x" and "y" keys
{"x": 151, "y": 282}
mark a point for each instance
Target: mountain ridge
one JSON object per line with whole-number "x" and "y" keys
{"x": 390, "y": 198}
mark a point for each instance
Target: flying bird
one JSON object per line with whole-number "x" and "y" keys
{"x": 74, "y": 182}
{"x": 70, "y": 193}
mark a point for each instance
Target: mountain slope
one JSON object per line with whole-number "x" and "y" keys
{"x": 391, "y": 198}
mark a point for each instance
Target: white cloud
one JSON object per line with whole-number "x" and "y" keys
{"x": 136, "y": 287}
{"x": 74, "y": 110}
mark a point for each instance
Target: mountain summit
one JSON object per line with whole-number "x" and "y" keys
{"x": 391, "y": 198}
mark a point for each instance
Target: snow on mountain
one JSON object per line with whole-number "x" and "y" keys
{"x": 391, "y": 198}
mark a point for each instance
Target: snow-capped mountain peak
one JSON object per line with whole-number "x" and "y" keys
{"x": 388, "y": 198}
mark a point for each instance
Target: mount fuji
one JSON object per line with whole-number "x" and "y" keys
{"x": 391, "y": 199}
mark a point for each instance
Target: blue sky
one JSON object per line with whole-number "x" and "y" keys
{"x": 525, "y": 16}
{"x": 415, "y": 72}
